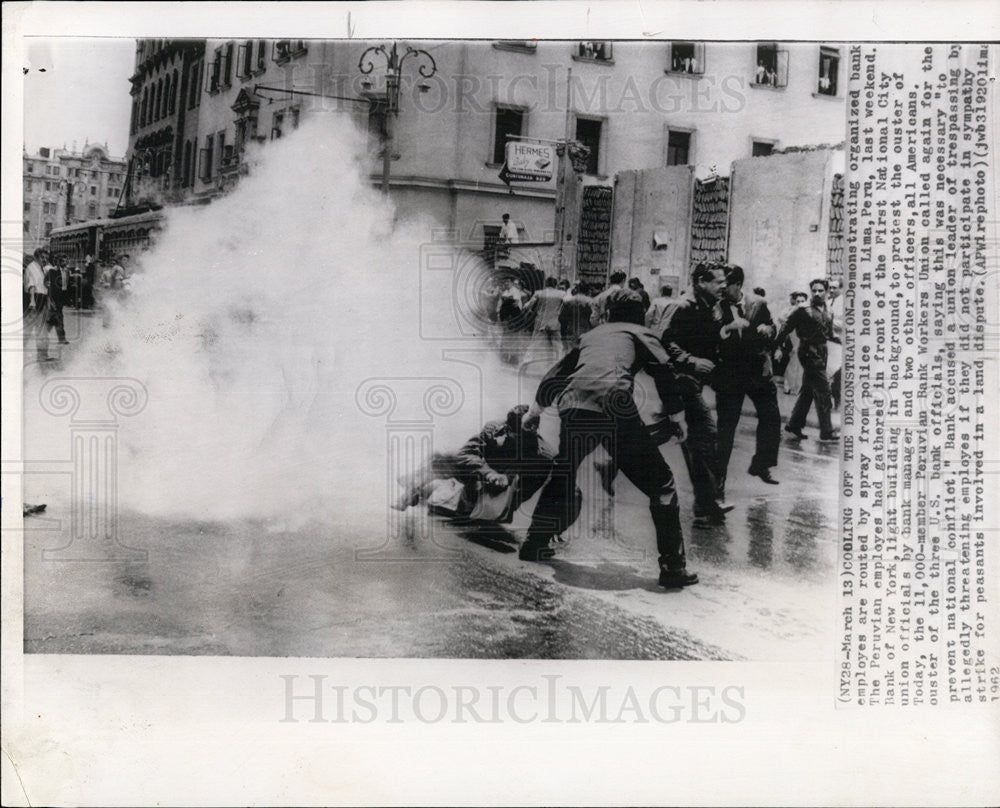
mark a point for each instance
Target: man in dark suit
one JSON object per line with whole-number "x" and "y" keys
{"x": 744, "y": 369}
{"x": 813, "y": 325}
{"x": 691, "y": 339}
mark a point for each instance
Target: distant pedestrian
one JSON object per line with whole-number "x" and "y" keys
{"x": 57, "y": 289}
{"x": 89, "y": 279}
{"x": 574, "y": 317}
{"x": 659, "y": 310}
{"x": 813, "y": 325}
{"x": 636, "y": 286}
{"x": 598, "y": 312}
{"x": 835, "y": 360}
{"x": 35, "y": 302}
{"x": 510, "y": 314}
{"x": 545, "y": 305}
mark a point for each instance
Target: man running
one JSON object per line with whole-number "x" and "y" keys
{"x": 592, "y": 388}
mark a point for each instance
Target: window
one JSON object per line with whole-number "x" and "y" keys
{"x": 221, "y": 141}
{"x": 31, "y": 168}
{"x": 206, "y": 158}
{"x": 91, "y": 211}
{"x": 761, "y": 148}
{"x": 261, "y": 55}
{"x": 195, "y": 82}
{"x": 27, "y": 207}
{"x": 594, "y": 50}
{"x": 158, "y": 100}
{"x": 27, "y": 185}
{"x": 93, "y": 190}
{"x": 294, "y": 112}
{"x": 588, "y": 132}
{"x": 686, "y": 57}
{"x": 276, "y": 123}
{"x": 227, "y": 70}
{"x": 244, "y": 59}
{"x": 285, "y": 49}
{"x": 48, "y": 186}
{"x": 678, "y": 147}
{"x": 112, "y": 192}
{"x": 771, "y": 66}
{"x": 215, "y": 72}
{"x": 521, "y": 45}
{"x": 165, "y": 101}
{"x": 829, "y": 67}
{"x": 172, "y": 108}
{"x": 507, "y": 121}
{"x": 48, "y": 228}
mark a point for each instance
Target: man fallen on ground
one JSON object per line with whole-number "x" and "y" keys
{"x": 488, "y": 479}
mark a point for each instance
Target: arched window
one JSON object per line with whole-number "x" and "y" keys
{"x": 173, "y": 94}
{"x": 166, "y": 96}
{"x": 145, "y": 106}
{"x": 158, "y": 101}
{"x": 133, "y": 122}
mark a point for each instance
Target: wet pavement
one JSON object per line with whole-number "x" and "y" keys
{"x": 246, "y": 588}
{"x": 434, "y": 589}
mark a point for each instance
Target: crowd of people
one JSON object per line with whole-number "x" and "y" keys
{"x": 52, "y": 283}
{"x": 716, "y": 334}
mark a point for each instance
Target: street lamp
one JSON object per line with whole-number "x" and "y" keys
{"x": 393, "y": 76}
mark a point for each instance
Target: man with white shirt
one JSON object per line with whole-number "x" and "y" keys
{"x": 508, "y": 231}
{"x": 36, "y": 303}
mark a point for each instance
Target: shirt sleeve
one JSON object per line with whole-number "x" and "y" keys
{"x": 791, "y": 322}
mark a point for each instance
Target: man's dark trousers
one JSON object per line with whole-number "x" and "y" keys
{"x": 815, "y": 388}
{"x": 634, "y": 453}
{"x": 700, "y": 450}
{"x": 729, "y": 405}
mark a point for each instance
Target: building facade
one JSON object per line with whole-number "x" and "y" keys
{"x": 636, "y": 105}
{"x": 64, "y": 187}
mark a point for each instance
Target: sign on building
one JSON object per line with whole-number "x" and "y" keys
{"x": 528, "y": 162}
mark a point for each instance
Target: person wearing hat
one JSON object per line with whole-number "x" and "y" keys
{"x": 592, "y": 388}
{"x": 744, "y": 370}
{"x": 691, "y": 339}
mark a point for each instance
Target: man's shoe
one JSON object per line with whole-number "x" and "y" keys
{"x": 829, "y": 437}
{"x": 64, "y": 342}
{"x": 535, "y": 550}
{"x": 676, "y": 579}
{"x": 763, "y": 474}
{"x": 720, "y": 507}
{"x": 798, "y": 434}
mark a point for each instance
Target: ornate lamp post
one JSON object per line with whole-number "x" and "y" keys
{"x": 393, "y": 75}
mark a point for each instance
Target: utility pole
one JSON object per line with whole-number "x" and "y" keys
{"x": 572, "y": 162}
